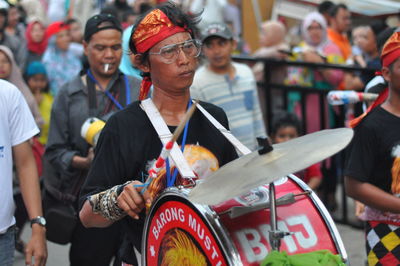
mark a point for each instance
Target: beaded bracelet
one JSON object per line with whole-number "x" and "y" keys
{"x": 105, "y": 203}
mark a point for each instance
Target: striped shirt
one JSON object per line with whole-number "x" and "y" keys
{"x": 238, "y": 97}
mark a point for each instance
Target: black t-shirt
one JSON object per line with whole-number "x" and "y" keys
{"x": 129, "y": 144}
{"x": 373, "y": 150}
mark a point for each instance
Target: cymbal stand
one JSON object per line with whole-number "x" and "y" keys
{"x": 275, "y": 235}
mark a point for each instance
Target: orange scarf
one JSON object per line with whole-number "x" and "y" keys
{"x": 341, "y": 41}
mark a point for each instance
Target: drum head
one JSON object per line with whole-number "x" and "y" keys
{"x": 178, "y": 233}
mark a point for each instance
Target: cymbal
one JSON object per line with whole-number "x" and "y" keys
{"x": 253, "y": 170}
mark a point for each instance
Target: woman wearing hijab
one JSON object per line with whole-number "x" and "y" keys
{"x": 36, "y": 41}
{"x": 315, "y": 48}
{"x": 11, "y": 72}
{"x": 61, "y": 63}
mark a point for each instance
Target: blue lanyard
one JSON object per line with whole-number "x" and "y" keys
{"x": 171, "y": 180}
{"x": 109, "y": 95}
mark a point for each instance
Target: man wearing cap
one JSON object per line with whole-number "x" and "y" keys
{"x": 373, "y": 165}
{"x": 229, "y": 85}
{"x": 166, "y": 52}
{"x": 98, "y": 91}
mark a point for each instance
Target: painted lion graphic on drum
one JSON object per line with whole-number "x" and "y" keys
{"x": 180, "y": 248}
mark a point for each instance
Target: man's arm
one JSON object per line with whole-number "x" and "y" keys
{"x": 371, "y": 195}
{"x": 91, "y": 219}
{"x": 130, "y": 201}
{"x": 30, "y": 189}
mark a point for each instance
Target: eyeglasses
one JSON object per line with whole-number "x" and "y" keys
{"x": 169, "y": 53}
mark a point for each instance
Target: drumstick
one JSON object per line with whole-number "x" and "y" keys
{"x": 167, "y": 149}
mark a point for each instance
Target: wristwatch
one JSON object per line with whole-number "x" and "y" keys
{"x": 39, "y": 220}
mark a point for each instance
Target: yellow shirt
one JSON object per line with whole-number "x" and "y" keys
{"x": 45, "y": 110}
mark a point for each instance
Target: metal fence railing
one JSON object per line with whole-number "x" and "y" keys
{"x": 333, "y": 170}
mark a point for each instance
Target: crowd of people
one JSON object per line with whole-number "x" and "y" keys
{"x": 138, "y": 66}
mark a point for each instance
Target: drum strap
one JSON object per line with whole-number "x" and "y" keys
{"x": 232, "y": 139}
{"x": 165, "y": 135}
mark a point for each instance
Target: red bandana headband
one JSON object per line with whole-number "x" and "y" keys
{"x": 391, "y": 50}
{"x": 154, "y": 27}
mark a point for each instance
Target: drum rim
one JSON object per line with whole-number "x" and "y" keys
{"x": 212, "y": 221}
{"x": 219, "y": 230}
{"x": 337, "y": 239}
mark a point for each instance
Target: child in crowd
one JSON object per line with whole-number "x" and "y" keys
{"x": 36, "y": 78}
{"x": 286, "y": 127}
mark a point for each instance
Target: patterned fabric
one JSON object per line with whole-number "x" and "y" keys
{"x": 105, "y": 203}
{"x": 390, "y": 50}
{"x": 307, "y": 77}
{"x": 154, "y": 27}
{"x": 312, "y": 78}
{"x": 383, "y": 243}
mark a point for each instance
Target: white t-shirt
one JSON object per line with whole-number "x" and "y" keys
{"x": 16, "y": 126}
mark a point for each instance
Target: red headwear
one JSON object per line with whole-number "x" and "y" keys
{"x": 36, "y": 47}
{"x": 154, "y": 27}
{"x": 391, "y": 49}
{"x": 55, "y": 28}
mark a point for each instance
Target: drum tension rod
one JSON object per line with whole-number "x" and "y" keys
{"x": 307, "y": 192}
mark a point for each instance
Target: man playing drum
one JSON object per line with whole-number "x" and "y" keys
{"x": 166, "y": 52}
{"x": 373, "y": 169}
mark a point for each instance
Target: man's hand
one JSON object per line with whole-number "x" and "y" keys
{"x": 80, "y": 162}
{"x": 359, "y": 208}
{"x": 36, "y": 247}
{"x": 89, "y": 157}
{"x": 131, "y": 201}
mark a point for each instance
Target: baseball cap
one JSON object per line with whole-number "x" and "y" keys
{"x": 55, "y": 28}
{"x": 93, "y": 25}
{"x": 216, "y": 29}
